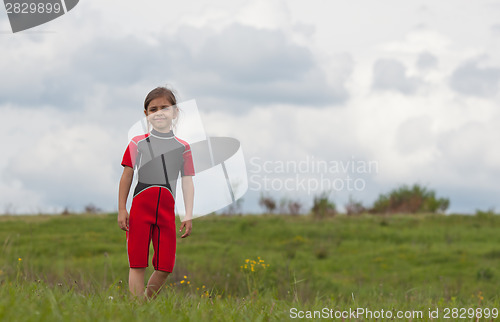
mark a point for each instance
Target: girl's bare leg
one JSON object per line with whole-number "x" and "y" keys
{"x": 136, "y": 281}
{"x": 156, "y": 281}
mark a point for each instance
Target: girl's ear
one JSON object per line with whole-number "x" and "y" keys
{"x": 147, "y": 121}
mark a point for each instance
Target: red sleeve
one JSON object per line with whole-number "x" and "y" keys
{"x": 188, "y": 168}
{"x": 130, "y": 155}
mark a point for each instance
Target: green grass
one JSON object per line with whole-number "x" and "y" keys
{"x": 75, "y": 267}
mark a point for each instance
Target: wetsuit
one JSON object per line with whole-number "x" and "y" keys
{"x": 159, "y": 158}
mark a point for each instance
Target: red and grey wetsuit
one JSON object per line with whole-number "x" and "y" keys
{"x": 159, "y": 159}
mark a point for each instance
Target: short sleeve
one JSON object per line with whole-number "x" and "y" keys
{"x": 130, "y": 155}
{"x": 188, "y": 166}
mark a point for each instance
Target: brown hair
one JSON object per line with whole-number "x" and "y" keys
{"x": 160, "y": 92}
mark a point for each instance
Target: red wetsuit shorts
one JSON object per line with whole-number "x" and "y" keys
{"x": 152, "y": 218}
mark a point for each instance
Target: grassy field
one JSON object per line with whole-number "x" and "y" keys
{"x": 254, "y": 268}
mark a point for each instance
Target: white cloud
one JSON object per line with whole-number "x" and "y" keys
{"x": 53, "y": 160}
{"x": 472, "y": 79}
{"x": 390, "y": 74}
{"x": 427, "y": 60}
{"x": 414, "y": 135}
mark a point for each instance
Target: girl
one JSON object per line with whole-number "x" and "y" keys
{"x": 159, "y": 156}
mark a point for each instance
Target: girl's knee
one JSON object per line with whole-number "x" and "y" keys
{"x": 137, "y": 269}
{"x": 162, "y": 274}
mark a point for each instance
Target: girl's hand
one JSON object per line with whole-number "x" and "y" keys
{"x": 188, "y": 225}
{"x": 123, "y": 219}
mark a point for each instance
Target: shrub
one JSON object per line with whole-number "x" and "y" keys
{"x": 485, "y": 213}
{"x": 407, "y": 199}
{"x": 268, "y": 203}
{"x": 353, "y": 207}
{"x": 92, "y": 209}
{"x": 323, "y": 207}
{"x": 288, "y": 206}
{"x": 294, "y": 207}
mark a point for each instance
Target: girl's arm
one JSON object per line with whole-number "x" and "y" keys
{"x": 123, "y": 190}
{"x": 188, "y": 194}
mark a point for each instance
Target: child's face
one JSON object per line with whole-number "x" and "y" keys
{"x": 160, "y": 114}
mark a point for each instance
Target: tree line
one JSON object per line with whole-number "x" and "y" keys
{"x": 403, "y": 199}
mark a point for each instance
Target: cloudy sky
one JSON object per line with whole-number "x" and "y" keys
{"x": 411, "y": 87}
